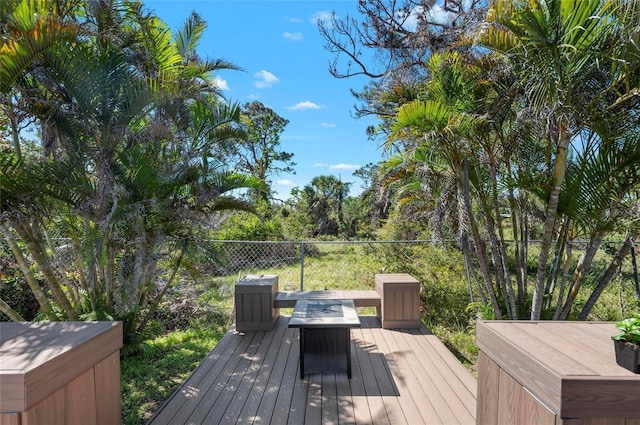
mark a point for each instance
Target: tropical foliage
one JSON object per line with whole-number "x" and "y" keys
{"x": 521, "y": 126}
{"x": 130, "y": 122}
{"x": 501, "y": 124}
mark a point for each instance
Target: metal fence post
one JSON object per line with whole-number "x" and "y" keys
{"x": 302, "y": 266}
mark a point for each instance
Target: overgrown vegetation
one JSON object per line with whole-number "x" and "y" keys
{"x": 149, "y": 378}
{"x": 199, "y": 314}
{"x": 510, "y": 139}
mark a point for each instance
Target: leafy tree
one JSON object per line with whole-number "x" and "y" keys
{"x": 561, "y": 52}
{"x": 259, "y": 152}
{"x": 375, "y": 198}
{"x": 324, "y": 199}
{"x": 125, "y": 102}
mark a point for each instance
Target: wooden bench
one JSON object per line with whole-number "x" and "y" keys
{"x": 396, "y": 300}
{"x": 287, "y": 299}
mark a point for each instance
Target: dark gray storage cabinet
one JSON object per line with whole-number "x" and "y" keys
{"x": 255, "y": 296}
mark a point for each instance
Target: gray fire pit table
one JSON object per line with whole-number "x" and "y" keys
{"x": 325, "y": 334}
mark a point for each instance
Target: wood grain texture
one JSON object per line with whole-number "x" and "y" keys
{"x": 10, "y": 419}
{"x": 600, "y": 397}
{"x": 488, "y": 390}
{"x": 80, "y": 398}
{"x": 107, "y": 388}
{"x": 399, "y": 377}
{"x": 50, "y": 410}
{"x": 38, "y": 358}
{"x": 567, "y": 368}
{"x": 361, "y": 298}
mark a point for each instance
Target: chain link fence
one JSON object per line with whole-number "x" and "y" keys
{"x": 310, "y": 265}
{"x": 300, "y": 265}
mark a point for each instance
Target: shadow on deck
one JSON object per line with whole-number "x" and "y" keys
{"x": 399, "y": 377}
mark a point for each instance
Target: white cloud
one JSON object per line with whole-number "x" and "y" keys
{"x": 320, "y": 164}
{"x": 321, "y": 15}
{"x": 220, "y": 83}
{"x": 285, "y": 182}
{"x": 265, "y": 79}
{"x": 304, "y": 105}
{"x": 328, "y": 125}
{"x": 293, "y": 36}
{"x": 411, "y": 22}
{"x": 344, "y": 167}
{"x": 439, "y": 15}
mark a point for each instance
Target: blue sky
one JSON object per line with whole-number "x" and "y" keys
{"x": 285, "y": 64}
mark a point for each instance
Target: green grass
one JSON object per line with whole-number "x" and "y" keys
{"x": 334, "y": 266}
{"x": 148, "y": 379}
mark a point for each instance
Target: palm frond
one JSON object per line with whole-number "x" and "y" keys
{"x": 32, "y": 31}
{"x": 189, "y": 35}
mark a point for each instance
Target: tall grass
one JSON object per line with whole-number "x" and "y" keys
{"x": 151, "y": 376}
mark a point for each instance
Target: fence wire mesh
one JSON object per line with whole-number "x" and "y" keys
{"x": 308, "y": 265}
{"x": 311, "y": 265}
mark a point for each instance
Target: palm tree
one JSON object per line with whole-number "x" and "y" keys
{"x": 136, "y": 121}
{"x": 560, "y": 51}
{"x": 440, "y": 128}
{"x": 324, "y": 197}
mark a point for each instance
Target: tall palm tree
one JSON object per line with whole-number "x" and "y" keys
{"x": 136, "y": 119}
{"x": 440, "y": 126}
{"x": 558, "y": 49}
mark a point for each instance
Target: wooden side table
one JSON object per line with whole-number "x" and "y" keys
{"x": 400, "y": 300}
{"x": 254, "y": 298}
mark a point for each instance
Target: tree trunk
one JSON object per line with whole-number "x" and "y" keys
{"x": 556, "y": 269}
{"x": 579, "y": 275}
{"x": 565, "y": 277}
{"x": 516, "y": 248}
{"x": 29, "y": 234}
{"x": 15, "y": 134}
{"x": 500, "y": 243}
{"x": 466, "y": 216}
{"x": 604, "y": 280}
{"x": 43, "y": 301}
{"x": 524, "y": 237}
{"x": 154, "y": 304}
{"x": 9, "y": 312}
{"x": 559, "y": 170}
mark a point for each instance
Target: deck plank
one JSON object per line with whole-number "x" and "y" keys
{"x": 359, "y": 398}
{"x": 361, "y": 298}
{"x": 245, "y": 403}
{"x": 225, "y": 389}
{"x": 387, "y": 386}
{"x": 410, "y": 383}
{"x": 277, "y": 382}
{"x": 330, "y": 413}
{"x": 399, "y": 377}
{"x": 449, "y": 383}
{"x": 186, "y": 399}
{"x": 371, "y": 389}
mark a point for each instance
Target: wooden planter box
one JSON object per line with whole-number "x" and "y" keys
{"x": 255, "y": 307}
{"x": 552, "y": 373}
{"x": 60, "y": 373}
{"x": 399, "y": 299}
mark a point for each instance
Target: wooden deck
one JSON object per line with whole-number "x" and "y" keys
{"x": 399, "y": 377}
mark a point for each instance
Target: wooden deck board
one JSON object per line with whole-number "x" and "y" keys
{"x": 399, "y": 377}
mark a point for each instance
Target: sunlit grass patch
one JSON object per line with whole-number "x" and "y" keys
{"x": 148, "y": 379}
